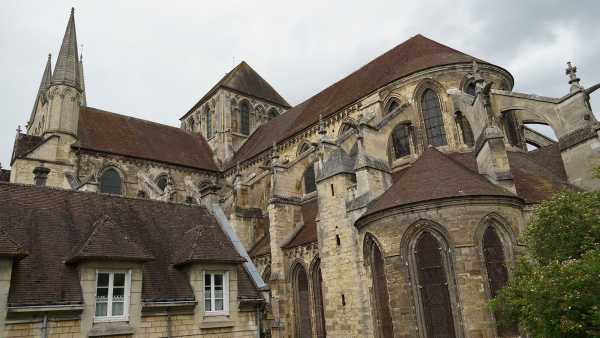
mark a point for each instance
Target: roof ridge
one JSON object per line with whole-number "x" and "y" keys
{"x": 137, "y": 118}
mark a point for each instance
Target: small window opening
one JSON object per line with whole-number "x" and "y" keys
{"x": 337, "y": 240}
{"x": 343, "y": 300}
{"x": 332, "y": 191}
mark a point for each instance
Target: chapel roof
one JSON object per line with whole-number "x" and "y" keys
{"x": 245, "y": 80}
{"x": 53, "y": 226}
{"x": 308, "y": 232}
{"x": 108, "y": 132}
{"x": 415, "y": 54}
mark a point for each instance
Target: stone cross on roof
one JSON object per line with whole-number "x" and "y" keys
{"x": 571, "y": 71}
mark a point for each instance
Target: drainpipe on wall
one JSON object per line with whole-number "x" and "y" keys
{"x": 169, "y": 335}
{"x": 258, "y": 321}
{"x": 45, "y": 327}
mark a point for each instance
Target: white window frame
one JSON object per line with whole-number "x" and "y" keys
{"x": 210, "y": 312}
{"x": 126, "y": 296}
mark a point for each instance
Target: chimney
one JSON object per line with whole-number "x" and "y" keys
{"x": 40, "y": 175}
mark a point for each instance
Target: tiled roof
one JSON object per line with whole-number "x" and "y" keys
{"x": 434, "y": 176}
{"x": 192, "y": 248}
{"x": 110, "y": 241}
{"x": 108, "y": 132}
{"x": 4, "y": 175}
{"x": 51, "y": 224}
{"x": 245, "y": 80}
{"x": 308, "y": 232}
{"x": 8, "y": 247}
{"x": 537, "y": 175}
{"x": 261, "y": 247}
{"x": 416, "y": 54}
{"x": 25, "y": 143}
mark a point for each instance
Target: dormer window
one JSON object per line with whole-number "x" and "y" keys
{"x": 216, "y": 293}
{"x": 112, "y": 296}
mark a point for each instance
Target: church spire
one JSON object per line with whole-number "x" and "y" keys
{"x": 66, "y": 71}
{"x": 81, "y": 79}
{"x": 44, "y": 84}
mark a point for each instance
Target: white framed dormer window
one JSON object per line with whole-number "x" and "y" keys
{"x": 216, "y": 293}
{"x": 112, "y": 296}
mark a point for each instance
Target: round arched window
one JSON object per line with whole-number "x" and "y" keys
{"x": 110, "y": 182}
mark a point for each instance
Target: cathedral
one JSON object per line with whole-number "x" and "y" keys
{"x": 390, "y": 204}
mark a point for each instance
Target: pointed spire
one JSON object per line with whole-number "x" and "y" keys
{"x": 66, "y": 71}
{"x": 44, "y": 84}
{"x": 82, "y": 80}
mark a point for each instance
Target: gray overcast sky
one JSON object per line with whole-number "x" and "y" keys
{"x": 154, "y": 59}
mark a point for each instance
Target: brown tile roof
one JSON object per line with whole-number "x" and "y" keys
{"x": 4, "y": 175}
{"x": 24, "y": 144}
{"x": 261, "y": 247}
{"x": 416, "y": 54}
{"x": 537, "y": 174}
{"x": 109, "y": 241}
{"x": 246, "y": 288}
{"x": 245, "y": 80}
{"x": 52, "y": 223}
{"x": 434, "y": 176}
{"x": 108, "y": 132}
{"x": 308, "y": 232}
{"x": 10, "y": 248}
{"x": 192, "y": 248}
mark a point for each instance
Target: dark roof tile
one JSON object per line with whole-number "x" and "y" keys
{"x": 308, "y": 232}
{"x": 108, "y": 132}
{"x": 416, "y": 54}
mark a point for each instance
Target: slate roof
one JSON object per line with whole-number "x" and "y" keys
{"x": 10, "y": 248}
{"x": 261, "y": 247}
{"x": 52, "y": 224}
{"x": 245, "y": 80}
{"x": 537, "y": 174}
{"x": 435, "y": 176}
{"x": 108, "y": 132}
{"x": 25, "y": 143}
{"x": 308, "y": 232}
{"x": 416, "y": 54}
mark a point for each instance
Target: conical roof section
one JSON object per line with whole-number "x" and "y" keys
{"x": 44, "y": 84}
{"x": 66, "y": 71}
{"x": 435, "y": 176}
{"x": 245, "y": 80}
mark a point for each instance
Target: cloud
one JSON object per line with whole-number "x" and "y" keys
{"x": 153, "y": 59}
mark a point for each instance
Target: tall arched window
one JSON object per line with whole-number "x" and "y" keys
{"x": 471, "y": 89}
{"x": 110, "y": 182}
{"x": 497, "y": 272}
{"x": 310, "y": 184}
{"x": 317, "y": 282}
{"x": 392, "y": 106}
{"x": 302, "y": 302}
{"x": 209, "y": 131}
{"x": 380, "y": 293}
{"x": 162, "y": 181}
{"x": 433, "y": 286}
{"x": 273, "y": 113}
{"x": 244, "y": 118}
{"x": 401, "y": 140}
{"x": 432, "y": 116}
{"x": 465, "y": 129}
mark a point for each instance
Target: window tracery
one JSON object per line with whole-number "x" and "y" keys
{"x": 433, "y": 119}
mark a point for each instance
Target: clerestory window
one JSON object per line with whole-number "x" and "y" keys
{"x": 401, "y": 140}
{"x": 432, "y": 116}
{"x": 112, "y": 295}
{"x": 110, "y": 182}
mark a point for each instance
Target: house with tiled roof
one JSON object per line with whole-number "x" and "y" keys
{"x": 389, "y": 204}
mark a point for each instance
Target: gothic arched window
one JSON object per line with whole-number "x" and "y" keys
{"x": 497, "y": 272}
{"x": 380, "y": 293}
{"x": 465, "y": 129}
{"x": 208, "y": 117}
{"x": 393, "y": 106}
{"x": 317, "y": 282}
{"x": 471, "y": 89}
{"x": 302, "y": 302}
{"x": 273, "y": 113}
{"x": 433, "y": 285}
{"x": 162, "y": 181}
{"x": 310, "y": 184}
{"x": 401, "y": 140}
{"x": 110, "y": 182}
{"x": 432, "y": 116}
{"x": 245, "y": 118}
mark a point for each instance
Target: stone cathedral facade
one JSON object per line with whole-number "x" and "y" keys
{"x": 390, "y": 204}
